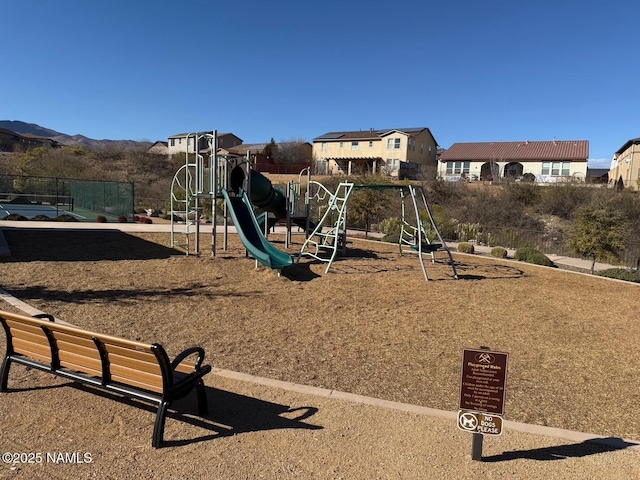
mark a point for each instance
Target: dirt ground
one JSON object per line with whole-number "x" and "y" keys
{"x": 371, "y": 326}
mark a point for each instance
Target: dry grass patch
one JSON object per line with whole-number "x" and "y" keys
{"x": 371, "y": 326}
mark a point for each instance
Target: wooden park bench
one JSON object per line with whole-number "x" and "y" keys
{"x": 130, "y": 368}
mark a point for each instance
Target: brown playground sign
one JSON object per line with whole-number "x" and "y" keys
{"x": 484, "y": 375}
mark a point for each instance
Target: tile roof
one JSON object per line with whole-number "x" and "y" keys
{"x": 526, "y": 150}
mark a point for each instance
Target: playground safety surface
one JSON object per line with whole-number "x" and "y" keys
{"x": 371, "y": 326}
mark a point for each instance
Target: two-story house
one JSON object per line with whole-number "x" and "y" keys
{"x": 625, "y": 165}
{"x": 374, "y": 151}
{"x": 185, "y": 142}
{"x": 546, "y": 161}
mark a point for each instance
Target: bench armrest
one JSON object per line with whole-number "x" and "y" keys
{"x": 187, "y": 353}
{"x": 45, "y": 316}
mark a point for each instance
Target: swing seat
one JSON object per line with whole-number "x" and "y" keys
{"x": 427, "y": 247}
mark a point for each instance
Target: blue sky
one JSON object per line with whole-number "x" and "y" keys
{"x": 469, "y": 70}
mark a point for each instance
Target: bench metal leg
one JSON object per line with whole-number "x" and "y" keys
{"x": 4, "y": 374}
{"x": 158, "y": 429}
{"x": 203, "y": 407}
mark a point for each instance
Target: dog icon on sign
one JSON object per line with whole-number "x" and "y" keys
{"x": 467, "y": 421}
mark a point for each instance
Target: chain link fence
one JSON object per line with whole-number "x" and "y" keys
{"x": 100, "y": 197}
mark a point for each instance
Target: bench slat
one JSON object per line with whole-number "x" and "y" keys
{"x": 29, "y": 336}
{"x": 135, "y": 364}
{"x": 137, "y": 375}
{"x": 79, "y": 350}
{"x": 138, "y": 354}
{"x": 186, "y": 367}
{"x": 82, "y": 369}
{"x": 33, "y": 350}
{"x": 137, "y": 383}
{"x": 73, "y": 339}
{"x": 81, "y": 363}
{"x": 24, "y": 326}
{"x": 121, "y": 342}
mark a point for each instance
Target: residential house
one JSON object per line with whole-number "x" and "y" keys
{"x": 290, "y": 157}
{"x": 185, "y": 142}
{"x": 374, "y": 151}
{"x": 11, "y": 141}
{"x": 546, "y": 161}
{"x": 625, "y": 165}
{"x": 159, "y": 148}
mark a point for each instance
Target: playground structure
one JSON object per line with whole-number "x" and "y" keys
{"x": 241, "y": 188}
{"x": 232, "y": 180}
{"x": 324, "y": 246}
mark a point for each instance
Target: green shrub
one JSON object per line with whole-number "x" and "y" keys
{"x": 391, "y": 228}
{"x": 621, "y": 274}
{"x": 499, "y": 252}
{"x": 531, "y": 255}
{"x": 465, "y": 247}
{"x": 468, "y": 231}
{"x": 16, "y": 217}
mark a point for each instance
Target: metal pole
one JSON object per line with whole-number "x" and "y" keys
{"x": 476, "y": 447}
{"x": 213, "y": 163}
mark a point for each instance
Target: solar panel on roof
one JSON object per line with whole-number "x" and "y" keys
{"x": 330, "y": 136}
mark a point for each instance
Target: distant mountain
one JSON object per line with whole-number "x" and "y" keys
{"x": 23, "y": 128}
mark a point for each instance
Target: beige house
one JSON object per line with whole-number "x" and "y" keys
{"x": 374, "y": 151}
{"x": 159, "y": 148}
{"x": 625, "y": 166}
{"x": 545, "y": 161}
{"x": 184, "y": 142}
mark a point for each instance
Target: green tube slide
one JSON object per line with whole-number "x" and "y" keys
{"x": 262, "y": 193}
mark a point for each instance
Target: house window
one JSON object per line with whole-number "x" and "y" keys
{"x": 341, "y": 145}
{"x": 343, "y": 166}
{"x": 393, "y": 164}
{"x": 458, "y": 167}
{"x": 354, "y": 145}
{"x": 173, "y": 142}
{"x": 556, "y": 168}
{"x": 370, "y": 143}
{"x": 393, "y": 144}
{"x": 545, "y": 168}
{"x": 324, "y": 146}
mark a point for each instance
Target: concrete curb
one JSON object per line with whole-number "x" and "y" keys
{"x": 419, "y": 410}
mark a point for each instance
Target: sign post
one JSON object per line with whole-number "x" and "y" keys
{"x": 482, "y": 393}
